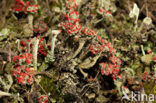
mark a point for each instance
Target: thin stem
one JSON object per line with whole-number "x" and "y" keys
{"x": 83, "y": 73}
{"x": 9, "y": 53}
{"x": 81, "y": 44}
{"x": 142, "y": 49}
{"x": 30, "y": 21}
{"x": 47, "y": 3}
{"x": 35, "y": 50}
{"x": 147, "y": 9}
{"x": 36, "y": 2}
{"x": 54, "y": 35}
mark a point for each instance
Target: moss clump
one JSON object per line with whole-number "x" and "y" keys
{"x": 51, "y": 87}
{"x": 150, "y": 88}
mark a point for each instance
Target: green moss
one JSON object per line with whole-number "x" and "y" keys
{"x": 43, "y": 67}
{"x": 136, "y": 65}
{"x": 50, "y": 86}
{"x": 4, "y": 33}
{"x": 150, "y": 88}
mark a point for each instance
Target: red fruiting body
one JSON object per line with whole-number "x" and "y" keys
{"x": 30, "y": 80}
{"x": 96, "y": 48}
{"x": 71, "y": 4}
{"x": 28, "y": 61}
{"x": 146, "y": 77}
{"x": 89, "y": 32}
{"x": 119, "y": 77}
{"x": 102, "y": 66}
{"x": 92, "y": 6}
{"x": 27, "y": 5}
{"x": 24, "y": 58}
{"x": 43, "y": 99}
{"x": 72, "y": 20}
{"x": 18, "y": 6}
{"x": 72, "y": 27}
{"x": 22, "y": 73}
{"x": 154, "y": 59}
{"x": 29, "y": 71}
{"x": 41, "y": 27}
{"x": 93, "y": 14}
{"x": 42, "y": 49}
{"x": 111, "y": 68}
{"x": 101, "y": 10}
{"x": 32, "y": 8}
{"x": 20, "y": 80}
{"x": 22, "y": 43}
{"x": 149, "y": 50}
{"x": 16, "y": 71}
{"x": 16, "y": 59}
{"x": 108, "y": 12}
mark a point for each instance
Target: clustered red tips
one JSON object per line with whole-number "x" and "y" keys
{"x": 95, "y": 48}
{"x": 103, "y": 46}
{"x": 43, "y": 99}
{"x": 20, "y": 6}
{"x": 23, "y": 74}
{"x": 42, "y": 49}
{"x": 70, "y": 19}
{"x": 24, "y": 58}
{"x": 154, "y": 59}
{"x": 71, "y": 28}
{"x": 149, "y": 50}
{"x": 41, "y": 27}
{"x": 88, "y": 32}
{"x": 71, "y": 4}
{"x": 108, "y": 69}
{"x": 71, "y": 25}
{"x": 32, "y": 8}
{"x": 146, "y": 76}
{"x": 111, "y": 69}
{"x": 22, "y": 71}
{"x": 108, "y": 12}
{"x": 101, "y": 11}
{"x": 23, "y": 44}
